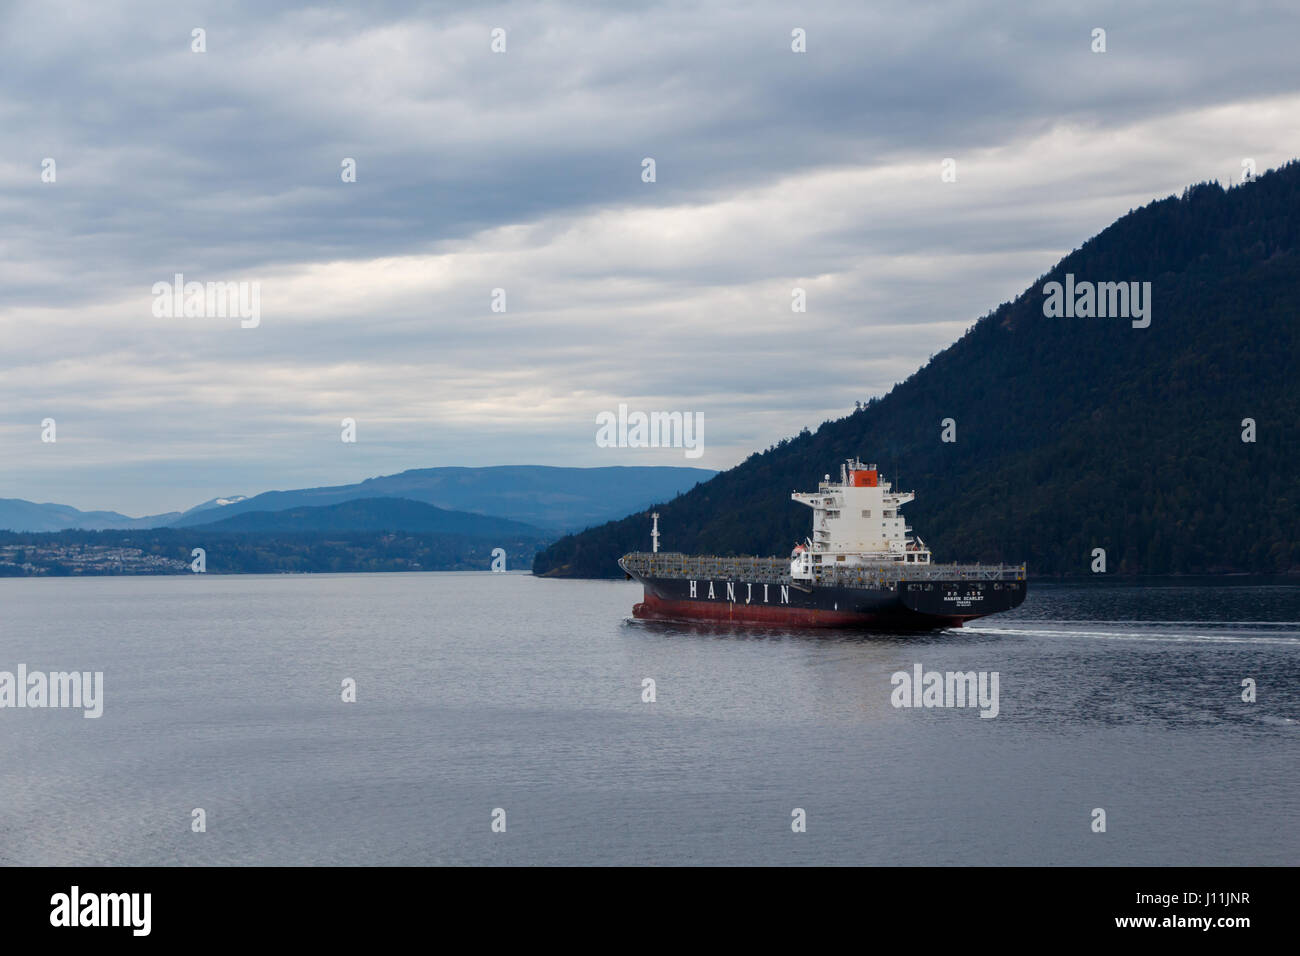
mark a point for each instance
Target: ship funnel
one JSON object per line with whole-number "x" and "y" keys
{"x": 862, "y": 476}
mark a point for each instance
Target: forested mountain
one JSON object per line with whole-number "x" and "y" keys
{"x": 1072, "y": 433}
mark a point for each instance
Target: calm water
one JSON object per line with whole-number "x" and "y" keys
{"x": 478, "y": 691}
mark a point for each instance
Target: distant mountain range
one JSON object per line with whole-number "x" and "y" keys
{"x": 1072, "y": 433}
{"x": 373, "y": 514}
{"x": 555, "y": 499}
{"x": 17, "y": 514}
{"x": 548, "y": 500}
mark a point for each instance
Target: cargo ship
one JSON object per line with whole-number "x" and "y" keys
{"x": 860, "y": 568}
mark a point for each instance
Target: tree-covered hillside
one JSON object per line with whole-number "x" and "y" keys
{"x": 1072, "y": 433}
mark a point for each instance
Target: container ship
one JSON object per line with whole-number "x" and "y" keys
{"x": 860, "y": 568}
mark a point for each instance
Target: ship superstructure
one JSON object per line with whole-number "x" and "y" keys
{"x": 857, "y": 522}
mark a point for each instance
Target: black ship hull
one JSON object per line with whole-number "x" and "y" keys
{"x": 901, "y": 605}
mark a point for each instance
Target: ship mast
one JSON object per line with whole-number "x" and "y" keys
{"x": 654, "y": 532}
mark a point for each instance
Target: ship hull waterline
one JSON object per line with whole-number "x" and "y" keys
{"x": 911, "y": 606}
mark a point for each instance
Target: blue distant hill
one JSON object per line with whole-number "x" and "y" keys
{"x": 553, "y": 499}
{"x": 16, "y": 514}
{"x": 375, "y": 514}
{"x": 550, "y": 499}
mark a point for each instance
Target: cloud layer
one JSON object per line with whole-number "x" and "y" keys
{"x": 522, "y": 171}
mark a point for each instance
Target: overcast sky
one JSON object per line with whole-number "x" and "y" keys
{"x": 522, "y": 170}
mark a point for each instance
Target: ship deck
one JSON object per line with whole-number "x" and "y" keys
{"x": 671, "y": 564}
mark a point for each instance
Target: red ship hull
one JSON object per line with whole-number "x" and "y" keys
{"x": 653, "y": 608}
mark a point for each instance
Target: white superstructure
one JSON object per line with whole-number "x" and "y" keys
{"x": 856, "y": 522}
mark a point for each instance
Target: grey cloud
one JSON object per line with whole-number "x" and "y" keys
{"x": 226, "y": 165}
